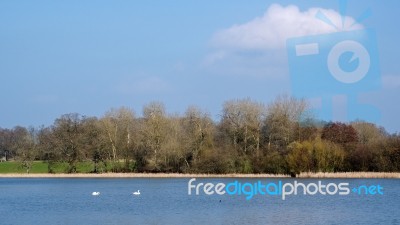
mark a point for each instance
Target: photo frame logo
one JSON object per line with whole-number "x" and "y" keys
{"x": 335, "y": 68}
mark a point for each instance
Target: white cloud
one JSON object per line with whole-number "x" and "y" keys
{"x": 214, "y": 57}
{"x": 278, "y": 23}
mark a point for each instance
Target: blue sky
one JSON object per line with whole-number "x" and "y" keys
{"x": 58, "y": 57}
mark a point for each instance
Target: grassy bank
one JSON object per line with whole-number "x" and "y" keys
{"x": 84, "y": 169}
{"x": 350, "y": 175}
{"x": 39, "y": 167}
{"x": 180, "y": 175}
{"x": 139, "y": 175}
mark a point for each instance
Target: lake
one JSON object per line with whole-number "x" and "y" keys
{"x": 166, "y": 201}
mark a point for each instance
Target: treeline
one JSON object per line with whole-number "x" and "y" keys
{"x": 250, "y": 137}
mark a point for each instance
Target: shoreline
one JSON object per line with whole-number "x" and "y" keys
{"x": 380, "y": 175}
{"x": 137, "y": 175}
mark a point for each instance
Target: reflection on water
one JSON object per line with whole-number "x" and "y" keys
{"x": 165, "y": 201}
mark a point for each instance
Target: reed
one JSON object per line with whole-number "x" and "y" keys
{"x": 349, "y": 175}
{"x": 180, "y": 175}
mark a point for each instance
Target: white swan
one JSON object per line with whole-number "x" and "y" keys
{"x": 136, "y": 192}
{"x": 95, "y": 193}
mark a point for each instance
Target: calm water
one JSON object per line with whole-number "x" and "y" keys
{"x": 165, "y": 201}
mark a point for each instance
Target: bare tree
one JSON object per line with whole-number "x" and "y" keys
{"x": 95, "y": 145}
{"x": 154, "y": 129}
{"x": 284, "y": 116}
{"x": 10, "y": 140}
{"x": 242, "y": 121}
{"x": 28, "y": 151}
{"x": 67, "y": 131}
{"x": 22, "y": 144}
{"x": 118, "y": 125}
{"x": 368, "y": 132}
{"x": 47, "y": 147}
{"x": 198, "y": 133}
{"x": 172, "y": 152}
